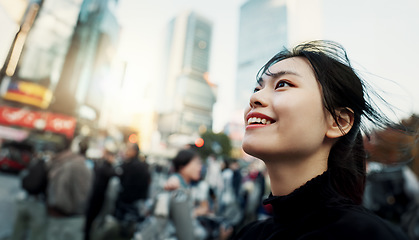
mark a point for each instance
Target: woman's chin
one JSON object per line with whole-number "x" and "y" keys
{"x": 252, "y": 150}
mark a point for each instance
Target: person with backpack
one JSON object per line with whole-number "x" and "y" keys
{"x": 30, "y": 222}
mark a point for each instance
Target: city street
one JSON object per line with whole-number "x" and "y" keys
{"x": 9, "y": 188}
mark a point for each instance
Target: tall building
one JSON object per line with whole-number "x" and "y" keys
{"x": 31, "y": 71}
{"x": 189, "y": 95}
{"x": 262, "y": 33}
{"x": 88, "y": 63}
{"x": 267, "y": 25}
{"x": 59, "y": 56}
{"x": 37, "y": 55}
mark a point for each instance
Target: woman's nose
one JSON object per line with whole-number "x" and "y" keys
{"x": 258, "y": 99}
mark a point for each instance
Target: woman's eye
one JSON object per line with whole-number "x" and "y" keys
{"x": 282, "y": 84}
{"x": 256, "y": 90}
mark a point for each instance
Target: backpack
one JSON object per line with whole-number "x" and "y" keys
{"x": 36, "y": 178}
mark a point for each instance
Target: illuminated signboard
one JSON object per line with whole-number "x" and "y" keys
{"x": 28, "y": 93}
{"x": 52, "y": 122}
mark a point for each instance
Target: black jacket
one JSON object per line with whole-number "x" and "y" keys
{"x": 135, "y": 181}
{"x": 103, "y": 172}
{"x": 317, "y": 211}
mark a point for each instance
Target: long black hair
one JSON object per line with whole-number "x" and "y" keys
{"x": 341, "y": 88}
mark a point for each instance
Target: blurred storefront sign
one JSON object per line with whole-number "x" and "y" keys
{"x": 13, "y": 134}
{"x": 46, "y": 121}
{"x": 27, "y": 93}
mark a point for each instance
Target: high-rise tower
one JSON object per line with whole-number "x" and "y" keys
{"x": 188, "y": 94}
{"x": 262, "y": 33}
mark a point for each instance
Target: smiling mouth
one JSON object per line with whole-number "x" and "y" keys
{"x": 255, "y": 120}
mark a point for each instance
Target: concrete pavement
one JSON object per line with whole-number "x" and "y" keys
{"x": 9, "y": 189}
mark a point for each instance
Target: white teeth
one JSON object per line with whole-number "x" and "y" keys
{"x": 258, "y": 120}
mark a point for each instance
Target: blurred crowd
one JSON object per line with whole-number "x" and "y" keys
{"x": 126, "y": 195}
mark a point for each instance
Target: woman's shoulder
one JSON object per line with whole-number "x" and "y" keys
{"x": 256, "y": 230}
{"x": 357, "y": 222}
{"x": 351, "y": 222}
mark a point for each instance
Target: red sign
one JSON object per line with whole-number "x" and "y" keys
{"x": 60, "y": 124}
{"x": 39, "y": 120}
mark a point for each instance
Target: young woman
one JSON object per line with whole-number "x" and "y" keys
{"x": 187, "y": 166}
{"x": 304, "y": 122}
{"x": 184, "y": 211}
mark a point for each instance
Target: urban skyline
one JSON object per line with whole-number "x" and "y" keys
{"x": 143, "y": 57}
{"x": 365, "y": 35}
{"x": 188, "y": 98}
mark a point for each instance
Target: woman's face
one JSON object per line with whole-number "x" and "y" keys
{"x": 286, "y": 117}
{"x": 192, "y": 170}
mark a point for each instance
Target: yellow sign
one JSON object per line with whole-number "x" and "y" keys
{"x": 28, "y": 93}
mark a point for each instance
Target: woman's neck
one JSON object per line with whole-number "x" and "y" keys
{"x": 286, "y": 176}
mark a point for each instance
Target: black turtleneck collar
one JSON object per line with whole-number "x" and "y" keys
{"x": 316, "y": 211}
{"x": 312, "y": 196}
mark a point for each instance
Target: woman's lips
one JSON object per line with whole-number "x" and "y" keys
{"x": 255, "y": 119}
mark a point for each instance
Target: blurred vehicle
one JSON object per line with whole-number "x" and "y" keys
{"x": 15, "y": 156}
{"x": 25, "y": 131}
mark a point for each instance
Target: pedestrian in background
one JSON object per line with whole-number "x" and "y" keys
{"x": 253, "y": 192}
{"x": 304, "y": 122}
{"x": 69, "y": 183}
{"x": 31, "y": 218}
{"x": 103, "y": 171}
{"x": 229, "y": 207}
{"x": 187, "y": 166}
{"x": 135, "y": 180}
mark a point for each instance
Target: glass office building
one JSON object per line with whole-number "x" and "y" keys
{"x": 189, "y": 95}
{"x": 262, "y": 33}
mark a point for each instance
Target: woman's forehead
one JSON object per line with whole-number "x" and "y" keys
{"x": 297, "y": 66}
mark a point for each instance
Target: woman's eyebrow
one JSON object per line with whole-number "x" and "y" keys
{"x": 260, "y": 81}
{"x": 276, "y": 75}
{"x": 281, "y": 73}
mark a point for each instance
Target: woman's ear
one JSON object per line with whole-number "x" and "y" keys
{"x": 342, "y": 125}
